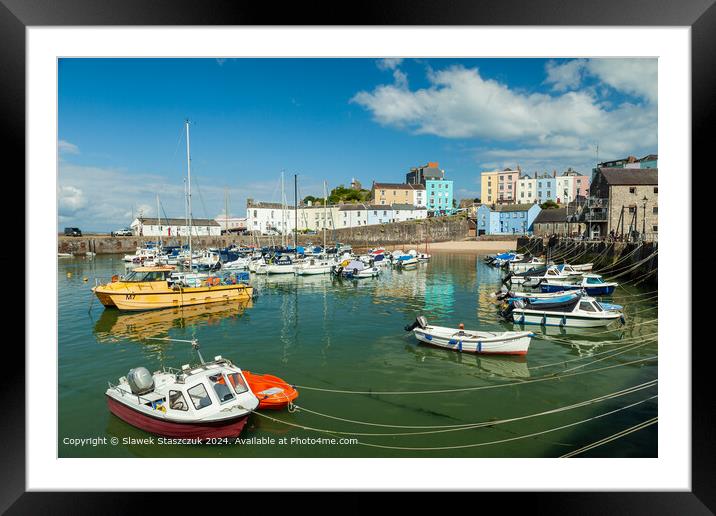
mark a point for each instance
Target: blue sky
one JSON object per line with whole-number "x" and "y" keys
{"x": 121, "y": 125}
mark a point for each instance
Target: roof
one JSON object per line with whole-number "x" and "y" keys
{"x": 630, "y": 176}
{"x": 176, "y": 222}
{"x": 352, "y": 207}
{"x": 512, "y": 207}
{"x": 553, "y": 215}
{"x": 259, "y": 204}
{"x": 398, "y": 186}
{"x": 407, "y": 207}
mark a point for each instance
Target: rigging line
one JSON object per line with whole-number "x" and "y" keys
{"x": 613, "y": 437}
{"x": 471, "y": 426}
{"x": 500, "y": 441}
{"x": 201, "y": 197}
{"x": 478, "y": 388}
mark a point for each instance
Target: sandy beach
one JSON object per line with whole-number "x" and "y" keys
{"x": 473, "y": 246}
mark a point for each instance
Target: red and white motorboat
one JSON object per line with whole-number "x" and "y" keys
{"x": 210, "y": 400}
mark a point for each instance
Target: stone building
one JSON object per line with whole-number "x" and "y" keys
{"x": 624, "y": 203}
{"x": 557, "y": 222}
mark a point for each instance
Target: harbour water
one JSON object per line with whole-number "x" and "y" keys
{"x": 361, "y": 377}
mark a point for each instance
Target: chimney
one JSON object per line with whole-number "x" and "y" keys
{"x": 554, "y": 173}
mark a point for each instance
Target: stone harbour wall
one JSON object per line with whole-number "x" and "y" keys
{"x": 413, "y": 232}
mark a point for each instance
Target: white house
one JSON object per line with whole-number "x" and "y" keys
{"x": 170, "y": 227}
{"x": 231, "y": 223}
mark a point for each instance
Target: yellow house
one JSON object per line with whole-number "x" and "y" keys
{"x": 398, "y": 193}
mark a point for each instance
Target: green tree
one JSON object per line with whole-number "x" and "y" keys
{"x": 549, "y": 205}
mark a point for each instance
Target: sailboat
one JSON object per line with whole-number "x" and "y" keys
{"x": 147, "y": 288}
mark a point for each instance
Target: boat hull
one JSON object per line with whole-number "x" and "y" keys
{"x": 602, "y": 290}
{"x": 152, "y": 299}
{"x": 563, "y": 319}
{"x": 204, "y": 430}
{"x": 518, "y": 345}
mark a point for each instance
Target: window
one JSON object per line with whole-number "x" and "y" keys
{"x": 199, "y": 396}
{"x": 655, "y": 229}
{"x": 177, "y": 401}
{"x": 632, "y": 189}
{"x": 656, "y": 189}
{"x": 238, "y": 383}
{"x": 221, "y": 388}
{"x": 655, "y": 210}
{"x": 586, "y": 306}
{"x": 632, "y": 209}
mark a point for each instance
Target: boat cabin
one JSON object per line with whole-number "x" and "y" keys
{"x": 212, "y": 390}
{"x": 140, "y": 274}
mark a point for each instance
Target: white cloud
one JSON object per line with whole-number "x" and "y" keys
{"x": 389, "y": 63}
{"x": 70, "y": 199}
{"x": 66, "y": 147}
{"x": 460, "y": 103}
{"x": 632, "y": 76}
{"x": 565, "y": 76}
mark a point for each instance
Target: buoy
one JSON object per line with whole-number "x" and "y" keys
{"x": 84, "y": 279}
{"x": 461, "y": 326}
{"x": 69, "y": 274}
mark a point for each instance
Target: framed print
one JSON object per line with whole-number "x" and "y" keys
{"x": 359, "y": 257}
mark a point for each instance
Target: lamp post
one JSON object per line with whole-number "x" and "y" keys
{"x": 643, "y": 222}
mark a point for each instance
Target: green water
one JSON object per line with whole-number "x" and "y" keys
{"x": 337, "y": 335}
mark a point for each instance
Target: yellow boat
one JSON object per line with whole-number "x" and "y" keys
{"x": 149, "y": 288}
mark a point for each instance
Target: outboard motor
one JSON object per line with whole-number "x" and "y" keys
{"x": 140, "y": 380}
{"x": 420, "y": 321}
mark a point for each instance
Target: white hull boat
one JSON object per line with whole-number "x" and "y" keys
{"x": 471, "y": 341}
{"x": 312, "y": 267}
{"x": 578, "y": 312}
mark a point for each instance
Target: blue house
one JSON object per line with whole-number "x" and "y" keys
{"x": 506, "y": 219}
{"x": 438, "y": 193}
{"x": 546, "y": 188}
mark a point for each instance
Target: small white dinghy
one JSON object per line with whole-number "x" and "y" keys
{"x": 471, "y": 341}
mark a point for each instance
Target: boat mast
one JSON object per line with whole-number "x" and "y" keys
{"x": 226, "y": 210}
{"x": 159, "y": 223}
{"x": 283, "y": 213}
{"x": 295, "y": 211}
{"x": 186, "y": 211}
{"x": 325, "y": 218}
{"x": 188, "y": 182}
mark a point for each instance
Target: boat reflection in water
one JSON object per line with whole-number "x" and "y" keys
{"x": 115, "y": 325}
{"x": 503, "y": 366}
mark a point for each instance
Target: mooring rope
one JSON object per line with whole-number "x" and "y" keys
{"x": 613, "y": 437}
{"x": 477, "y": 388}
{"x": 534, "y": 434}
{"x": 439, "y": 429}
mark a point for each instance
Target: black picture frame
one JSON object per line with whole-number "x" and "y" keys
{"x": 700, "y": 15}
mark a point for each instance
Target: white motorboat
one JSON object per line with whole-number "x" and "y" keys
{"x": 572, "y": 311}
{"x": 557, "y": 272}
{"x": 584, "y": 267}
{"x": 209, "y": 400}
{"x": 424, "y": 257}
{"x": 312, "y": 266}
{"x": 526, "y": 264}
{"x": 278, "y": 265}
{"x": 240, "y": 264}
{"x": 355, "y": 269}
{"x": 471, "y": 341}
